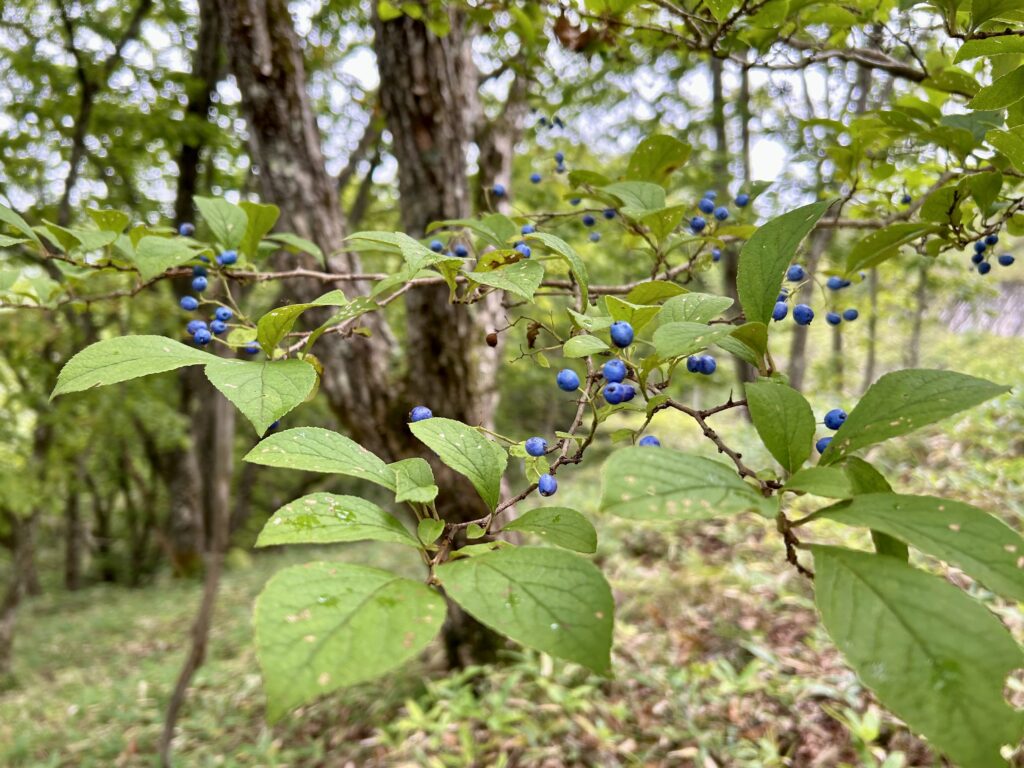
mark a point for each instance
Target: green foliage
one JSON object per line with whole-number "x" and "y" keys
{"x": 784, "y": 421}
{"x": 327, "y": 518}
{"x": 560, "y": 526}
{"x": 466, "y": 451}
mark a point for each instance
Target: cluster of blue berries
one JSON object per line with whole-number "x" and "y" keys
{"x": 980, "y": 256}
{"x": 833, "y": 420}
{"x": 802, "y": 313}
{"x": 708, "y": 207}
{"x": 703, "y": 364}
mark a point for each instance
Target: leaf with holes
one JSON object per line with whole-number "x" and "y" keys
{"x": 560, "y": 526}
{"x": 521, "y": 279}
{"x": 314, "y": 449}
{"x": 693, "y": 308}
{"x": 414, "y": 481}
{"x": 466, "y": 451}
{"x": 327, "y": 518}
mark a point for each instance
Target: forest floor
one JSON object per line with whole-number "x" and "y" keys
{"x": 718, "y": 659}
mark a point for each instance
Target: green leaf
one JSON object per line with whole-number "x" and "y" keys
{"x": 694, "y": 308}
{"x": 934, "y": 656}
{"x": 662, "y": 484}
{"x": 765, "y": 257}
{"x": 320, "y": 450}
{"x": 783, "y": 419}
{"x": 986, "y": 10}
{"x": 1009, "y": 143}
{"x": 260, "y": 219}
{"x": 429, "y": 529}
{"x": 985, "y": 189}
{"x": 109, "y": 219}
{"x": 991, "y": 46}
{"x": 155, "y": 255}
{"x": 414, "y": 481}
{"x": 227, "y": 222}
{"x": 656, "y": 158}
{"x": 263, "y": 391}
{"x": 663, "y": 221}
{"x": 981, "y": 545}
{"x": 522, "y": 278}
{"x": 885, "y": 243}
{"x": 297, "y": 244}
{"x": 560, "y": 526}
{"x": 278, "y": 323}
{"x": 653, "y": 291}
{"x": 864, "y": 479}
{"x": 323, "y": 626}
{"x": 634, "y": 314}
{"x": 1005, "y": 91}
{"x": 720, "y": 9}
{"x": 748, "y": 342}
{"x": 828, "y": 482}
{"x": 576, "y": 265}
{"x": 583, "y": 345}
{"x": 122, "y": 358}
{"x": 546, "y": 599}
{"x": 327, "y": 518}
{"x": 466, "y": 451}
{"x": 18, "y": 224}
{"x": 684, "y": 338}
{"x": 902, "y": 401}
{"x": 638, "y": 197}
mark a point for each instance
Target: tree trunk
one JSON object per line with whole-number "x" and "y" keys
{"x": 912, "y": 357}
{"x": 870, "y": 362}
{"x": 74, "y": 532}
{"x": 21, "y": 558}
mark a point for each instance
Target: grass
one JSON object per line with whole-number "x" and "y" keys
{"x": 719, "y": 659}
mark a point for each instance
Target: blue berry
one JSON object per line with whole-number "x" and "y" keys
{"x": 795, "y": 273}
{"x": 979, "y": 246}
{"x": 991, "y": 239}
{"x": 822, "y": 444}
{"x": 575, "y": 201}
{"x": 977, "y": 257}
{"x": 834, "y": 283}
{"x": 547, "y": 485}
{"x": 628, "y": 393}
{"x": 559, "y": 168}
{"x": 252, "y": 348}
{"x": 721, "y": 213}
{"x": 199, "y": 284}
{"x": 461, "y": 251}
{"x": 742, "y": 200}
{"x": 528, "y": 229}
{"x": 851, "y": 314}
{"x": 595, "y": 237}
{"x": 1005, "y": 260}
{"x": 833, "y": 318}
{"x": 613, "y": 393}
{"x": 223, "y": 314}
{"x": 708, "y": 364}
{"x": 188, "y": 303}
{"x": 420, "y": 412}
{"x": 711, "y": 194}
{"x": 614, "y": 371}
{"x": 706, "y": 205}
{"x": 906, "y": 199}
{"x": 693, "y": 363}
{"x": 588, "y": 220}
{"x": 536, "y": 446}
{"x": 194, "y": 326}
{"x": 649, "y": 441}
{"x": 227, "y": 258}
{"x": 984, "y": 268}
{"x": 218, "y": 327}
{"x": 524, "y": 250}
{"x": 559, "y": 157}
{"x": 436, "y": 246}
{"x": 273, "y": 427}
{"x": 198, "y": 271}
{"x": 535, "y": 178}
{"x": 202, "y": 337}
{"x": 608, "y": 213}
{"x": 568, "y": 380}
{"x": 498, "y": 190}
{"x": 622, "y": 333}
{"x": 187, "y": 230}
{"x": 716, "y": 254}
{"x": 803, "y": 314}
{"x": 780, "y": 311}
{"x": 834, "y": 419}
{"x": 697, "y": 223}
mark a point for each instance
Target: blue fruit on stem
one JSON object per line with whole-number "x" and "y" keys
{"x": 547, "y": 485}
{"x": 218, "y": 327}
{"x": 721, "y": 213}
{"x": 202, "y": 337}
{"x": 536, "y": 446}
{"x": 227, "y": 258}
{"x": 575, "y": 201}
{"x": 834, "y": 283}
{"x": 187, "y": 229}
{"x": 588, "y": 220}
{"x": 833, "y": 318}
{"x": 706, "y": 205}
{"x": 991, "y": 239}
{"x": 194, "y": 326}
{"x": 780, "y": 311}
{"x": 851, "y": 314}
{"x": 834, "y": 419}
{"x": 528, "y": 229}
{"x": 223, "y": 314}
{"x": 436, "y": 246}
{"x": 608, "y": 213}
{"x": 984, "y": 268}
{"x": 461, "y": 251}
{"x": 613, "y": 393}
{"x": 498, "y": 190}
{"x": 621, "y": 333}
{"x": 568, "y": 380}
{"x": 198, "y": 271}
{"x": 711, "y": 195}
{"x": 742, "y": 200}
{"x": 199, "y": 284}
{"x": 708, "y": 364}
{"x": 420, "y": 412}
{"x": 803, "y": 314}
{"x": 1005, "y": 260}
{"x": 559, "y": 157}
{"x": 628, "y": 392}
{"x": 252, "y": 348}
{"x": 697, "y": 223}
{"x": 979, "y": 246}
{"x": 906, "y": 199}
{"x": 795, "y": 273}
{"x": 559, "y": 168}
{"x": 614, "y": 371}
{"x": 535, "y": 178}
{"x": 716, "y": 254}
{"x": 977, "y": 257}
{"x": 188, "y": 303}
{"x": 595, "y": 237}
{"x": 649, "y": 441}
{"x": 693, "y": 363}
{"x": 524, "y": 250}
{"x": 822, "y": 444}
